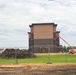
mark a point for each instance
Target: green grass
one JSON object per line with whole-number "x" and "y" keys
{"x": 54, "y": 58}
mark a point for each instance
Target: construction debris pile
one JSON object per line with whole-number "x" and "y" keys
{"x": 17, "y": 53}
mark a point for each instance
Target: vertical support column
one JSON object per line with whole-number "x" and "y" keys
{"x": 16, "y": 56}
{"x": 49, "y": 56}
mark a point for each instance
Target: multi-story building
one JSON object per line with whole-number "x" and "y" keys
{"x": 42, "y": 37}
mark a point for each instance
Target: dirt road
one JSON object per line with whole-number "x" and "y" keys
{"x": 38, "y": 69}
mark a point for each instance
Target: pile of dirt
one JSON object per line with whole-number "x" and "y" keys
{"x": 39, "y": 70}
{"x": 17, "y": 53}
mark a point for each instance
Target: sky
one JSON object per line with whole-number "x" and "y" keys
{"x": 17, "y": 15}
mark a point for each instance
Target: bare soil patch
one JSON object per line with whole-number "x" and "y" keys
{"x": 39, "y": 69}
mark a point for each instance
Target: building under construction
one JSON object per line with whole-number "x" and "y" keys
{"x": 42, "y": 37}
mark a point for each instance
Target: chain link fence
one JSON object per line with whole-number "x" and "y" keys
{"x": 43, "y": 63}
{"x": 36, "y": 54}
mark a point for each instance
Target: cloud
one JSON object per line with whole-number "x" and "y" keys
{"x": 17, "y": 15}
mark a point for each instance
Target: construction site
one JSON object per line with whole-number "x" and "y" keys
{"x": 43, "y": 57}
{"x": 38, "y": 69}
{"x": 42, "y": 36}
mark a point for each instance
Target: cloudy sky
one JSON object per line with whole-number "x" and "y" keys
{"x": 17, "y": 15}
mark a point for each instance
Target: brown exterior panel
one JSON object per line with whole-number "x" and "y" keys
{"x": 43, "y": 32}
{"x": 32, "y": 29}
{"x": 54, "y": 28}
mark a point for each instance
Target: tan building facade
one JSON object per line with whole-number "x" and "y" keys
{"x": 42, "y": 36}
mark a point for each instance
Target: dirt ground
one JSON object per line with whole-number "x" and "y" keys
{"x": 39, "y": 69}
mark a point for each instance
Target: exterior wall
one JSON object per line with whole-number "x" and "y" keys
{"x": 31, "y": 42}
{"x": 32, "y": 29}
{"x": 54, "y": 28}
{"x": 43, "y": 31}
{"x": 29, "y": 35}
{"x": 43, "y": 49}
{"x": 43, "y": 42}
{"x": 57, "y": 38}
{"x": 42, "y": 37}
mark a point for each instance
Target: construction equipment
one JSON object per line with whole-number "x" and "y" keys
{"x": 71, "y": 51}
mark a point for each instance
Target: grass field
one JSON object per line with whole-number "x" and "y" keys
{"x": 43, "y": 58}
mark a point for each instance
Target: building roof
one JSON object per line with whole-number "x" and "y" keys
{"x": 43, "y": 24}
{"x": 29, "y": 32}
{"x": 57, "y": 31}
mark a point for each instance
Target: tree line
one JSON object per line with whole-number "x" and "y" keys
{"x": 66, "y": 48}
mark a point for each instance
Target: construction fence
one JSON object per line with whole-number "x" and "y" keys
{"x": 45, "y": 55}
{"x": 27, "y": 62}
